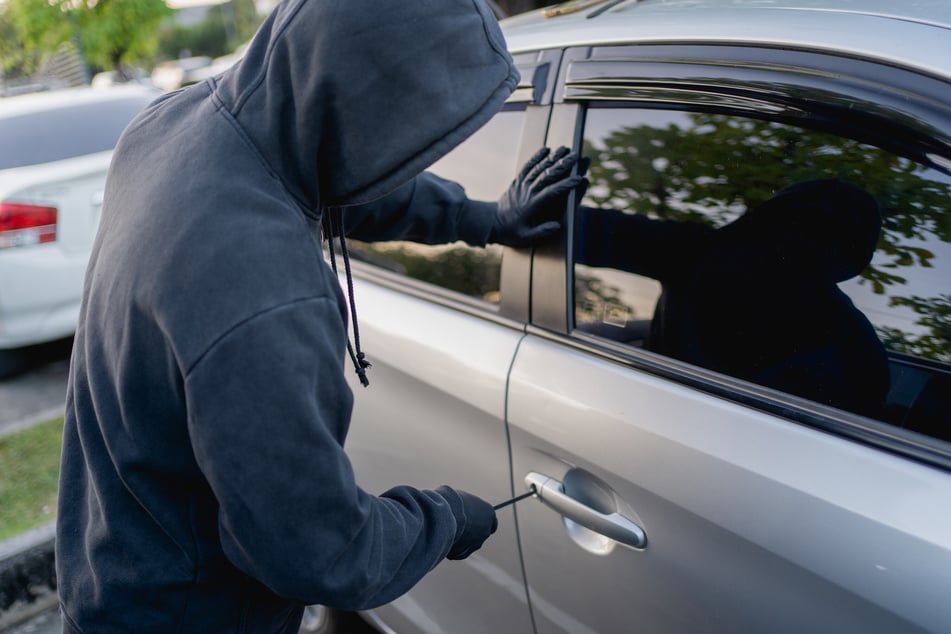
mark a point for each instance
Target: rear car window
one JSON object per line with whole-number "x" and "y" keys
{"x": 484, "y": 165}
{"x": 65, "y": 132}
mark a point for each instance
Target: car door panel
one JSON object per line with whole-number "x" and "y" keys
{"x": 447, "y": 370}
{"x": 752, "y": 523}
{"x": 762, "y": 511}
{"x": 443, "y": 356}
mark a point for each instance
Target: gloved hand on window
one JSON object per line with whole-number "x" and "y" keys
{"x": 528, "y": 212}
{"x": 475, "y": 521}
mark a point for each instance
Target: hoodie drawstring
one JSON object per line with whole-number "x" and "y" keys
{"x": 335, "y": 228}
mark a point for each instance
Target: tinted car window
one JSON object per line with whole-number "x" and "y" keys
{"x": 484, "y": 165}
{"x": 686, "y": 178}
{"x": 66, "y": 132}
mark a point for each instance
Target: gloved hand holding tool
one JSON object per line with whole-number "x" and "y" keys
{"x": 528, "y": 211}
{"x": 475, "y": 519}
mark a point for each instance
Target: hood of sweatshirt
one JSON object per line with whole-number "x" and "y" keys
{"x": 346, "y": 100}
{"x": 824, "y": 229}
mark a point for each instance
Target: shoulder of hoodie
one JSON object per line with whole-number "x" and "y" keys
{"x": 194, "y": 122}
{"x": 192, "y": 163}
{"x": 234, "y": 233}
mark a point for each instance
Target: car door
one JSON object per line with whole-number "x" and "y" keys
{"x": 673, "y": 497}
{"x": 440, "y": 325}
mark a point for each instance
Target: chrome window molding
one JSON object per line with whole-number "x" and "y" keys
{"x": 867, "y": 100}
{"x": 873, "y": 433}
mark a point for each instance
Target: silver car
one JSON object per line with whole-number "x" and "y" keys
{"x": 678, "y": 492}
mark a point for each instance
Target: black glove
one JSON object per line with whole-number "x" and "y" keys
{"x": 528, "y": 211}
{"x": 475, "y": 521}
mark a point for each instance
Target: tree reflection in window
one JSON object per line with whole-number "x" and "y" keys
{"x": 711, "y": 168}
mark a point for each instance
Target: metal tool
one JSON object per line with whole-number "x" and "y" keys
{"x": 515, "y": 499}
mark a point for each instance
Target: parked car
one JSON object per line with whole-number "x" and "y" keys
{"x": 217, "y": 66}
{"x": 176, "y": 73}
{"x": 55, "y": 149}
{"x": 109, "y": 78}
{"x": 672, "y": 497}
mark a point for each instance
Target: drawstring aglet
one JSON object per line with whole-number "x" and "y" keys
{"x": 362, "y": 366}
{"x": 334, "y": 227}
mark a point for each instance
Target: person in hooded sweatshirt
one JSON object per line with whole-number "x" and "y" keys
{"x": 758, "y": 298}
{"x": 204, "y": 487}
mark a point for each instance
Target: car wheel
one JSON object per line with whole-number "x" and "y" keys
{"x": 12, "y": 362}
{"x": 319, "y": 619}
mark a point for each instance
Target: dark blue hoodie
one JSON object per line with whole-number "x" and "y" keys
{"x": 204, "y": 486}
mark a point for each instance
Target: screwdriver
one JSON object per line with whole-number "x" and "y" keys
{"x": 515, "y": 499}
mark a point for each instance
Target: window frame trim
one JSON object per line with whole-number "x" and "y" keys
{"x": 718, "y": 77}
{"x": 552, "y": 317}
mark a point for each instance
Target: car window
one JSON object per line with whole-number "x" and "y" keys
{"x": 790, "y": 257}
{"x": 65, "y": 132}
{"x": 484, "y": 165}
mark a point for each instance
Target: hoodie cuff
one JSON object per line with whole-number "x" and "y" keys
{"x": 456, "y": 506}
{"x": 475, "y": 221}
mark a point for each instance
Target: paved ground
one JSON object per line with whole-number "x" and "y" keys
{"x": 48, "y": 622}
{"x": 38, "y": 393}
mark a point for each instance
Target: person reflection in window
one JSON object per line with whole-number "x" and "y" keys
{"x": 758, "y": 298}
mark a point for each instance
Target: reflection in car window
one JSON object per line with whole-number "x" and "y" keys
{"x": 66, "y": 132}
{"x": 484, "y": 165}
{"x": 710, "y": 169}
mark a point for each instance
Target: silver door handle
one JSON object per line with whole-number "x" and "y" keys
{"x": 612, "y": 525}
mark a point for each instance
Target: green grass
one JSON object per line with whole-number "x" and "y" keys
{"x": 29, "y": 473}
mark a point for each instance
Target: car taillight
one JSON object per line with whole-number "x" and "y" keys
{"x": 23, "y": 224}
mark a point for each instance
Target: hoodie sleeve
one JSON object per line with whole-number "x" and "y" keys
{"x": 427, "y": 209}
{"x": 269, "y": 410}
{"x": 659, "y": 249}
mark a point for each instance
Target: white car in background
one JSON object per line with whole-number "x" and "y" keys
{"x": 55, "y": 149}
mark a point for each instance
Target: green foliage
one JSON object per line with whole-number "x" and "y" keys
{"x": 110, "y": 33}
{"x": 206, "y": 38}
{"x": 226, "y": 27}
{"x": 244, "y": 16}
{"x": 596, "y": 300}
{"x": 15, "y": 59}
{"x": 41, "y": 25}
{"x": 716, "y": 167}
{"x": 935, "y": 314}
{"x": 29, "y": 462}
{"x": 474, "y": 272}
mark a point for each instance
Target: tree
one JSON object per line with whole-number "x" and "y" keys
{"x": 244, "y": 15}
{"x": 15, "y": 60}
{"x": 716, "y": 167}
{"x": 110, "y": 33}
{"x": 225, "y": 27}
{"x": 935, "y": 321}
{"x": 468, "y": 270}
